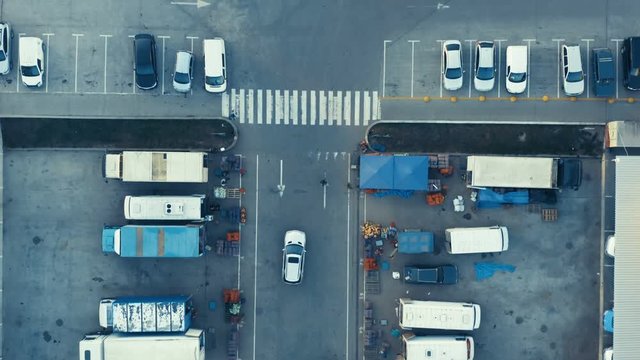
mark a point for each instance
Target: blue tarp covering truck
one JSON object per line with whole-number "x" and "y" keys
{"x": 180, "y": 241}
{"x": 141, "y": 314}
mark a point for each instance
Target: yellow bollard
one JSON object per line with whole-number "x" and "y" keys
{"x": 482, "y": 98}
{"x": 631, "y": 100}
{"x": 545, "y": 98}
{"x": 454, "y": 99}
{"x": 426, "y": 99}
{"x": 611, "y": 100}
{"x": 513, "y": 99}
{"x": 573, "y": 98}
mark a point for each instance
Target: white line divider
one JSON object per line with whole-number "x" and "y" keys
{"x": 312, "y": 107}
{"x": 356, "y": 108}
{"x": 269, "y": 108}
{"x": 249, "y": 108}
{"x": 303, "y": 107}
{"x": 234, "y": 108}
{"x": 366, "y": 113}
{"x": 338, "y": 110}
{"x": 286, "y": 107}
{"x": 241, "y": 108}
{"x": 347, "y": 108}
{"x": 294, "y": 107}
{"x": 375, "y": 106}
{"x": 259, "y": 109}
{"x": 106, "y": 37}
{"x": 331, "y": 109}
{"x": 224, "y": 104}
{"x": 278, "y": 99}
{"x": 323, "y": 108}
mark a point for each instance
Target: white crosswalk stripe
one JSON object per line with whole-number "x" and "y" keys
{"x": 302, "y": 107}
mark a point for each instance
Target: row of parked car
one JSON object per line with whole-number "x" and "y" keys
{"x": 517, "y": 57}
{"x": 32, "y": 62}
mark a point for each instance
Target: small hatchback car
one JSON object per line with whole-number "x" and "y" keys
{"x": 452, "y": 65}
{"x": 293, "y": 256}
{"x": 144, "y": 50}
{"x": 183, "y": 72}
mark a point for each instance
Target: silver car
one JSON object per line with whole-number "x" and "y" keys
{"x": 5, "y": 48}
{"x": 183, "y": 72}
{"x": 293, "y": 256}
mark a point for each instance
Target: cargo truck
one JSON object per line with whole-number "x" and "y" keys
{"x": 449, "y": 347}
{"x": 187, "y": 346}
{"x": 181, "y": 241}
{"x": 156, "y": 166}
{"x": 140, "y": 314}
{"x": 154, "y": 207}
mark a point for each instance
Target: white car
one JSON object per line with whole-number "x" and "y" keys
{"x": 183, "y": 72}
{"x": 31, "y": 61}
{"x": 215, "y": 65}
{"x": 452, "y": 65}
{"x": 485, "y": 70}
{"x": 608, "y": 354}
{"x": 516, "y": 72}
{"x": 293, "y": 256}
{"x": 572, "y": 74}
{"x": 610, "y": 246}
{"x": 6, "y": 35}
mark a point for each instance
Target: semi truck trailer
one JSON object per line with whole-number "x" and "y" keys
{"x": 156, "y": 166}
{"x": 180, "y": 241}
{"x": 143, "y": 314}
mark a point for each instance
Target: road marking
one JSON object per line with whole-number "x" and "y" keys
{"x": 281, "y": 185}
{"x": 617, "y": 41}
{"x": 558, "y": 65}
{"x": 269, "y": 109}
{"x": 348, "y": 245}
{"x": 470, "y": 63}
{"x": 356, "y": 108}
{"x": 375, "y": 107}
{"x": 241, "y": 108}
{"x": 293, "y": 102}
{"x": 239, "y": 229}
{"x": 198, "y": 3}
{"x": 18, "y": 70}
{"x": 249, "y": 109}
{"x": 528, "y": 41}
{"x": 323, "y": 108}
{"x": 75, "y": 86}
{"x": 312, "y": 107}
{"x": 286, "y": 107}
{"x": 303, "y": 107}
{"x": 499, "y": 41}
{"x": 106, "y": 38}
{"x": 331, "y": 108}
{"x": 347, "y": 108}
{"x": 259, "y": 110}
{"x": 324, "y": 189}
{"x": 587, "y": 75}
{"x": 163, "y": 37}
{"x": 224, "y": 104}
{"x": 366, "y": 114}
{"x": 441, "y": 64}
{"x": 255, "y": 251}
{"x": 384, "y": 65}
{"x": 134, "y": 70}
{"x": 278, "y": 100}
{"x": 234, "y": 103}
{"x": 46, "y": 71}
{"x": 413, "y": 52}
{"x": 338, "y": 110}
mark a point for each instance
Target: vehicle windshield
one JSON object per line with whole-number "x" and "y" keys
{"x": 294, "y": 249}
{"x": 181, "y": 78}
{"x": 3, "y": 57}
{"x": 145, "y": 70}
{"x": 517, "y": 77}
{"x": 30, "y": 70}
{"x": 634, "y": 71}
{"x": 453, "y": 73}
{"x": 214, "y": 80}
{"x": 574, "y": 76}
{"x": 485, "y": 73}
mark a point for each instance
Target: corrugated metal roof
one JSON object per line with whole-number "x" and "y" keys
{"x": 627, "y": 261}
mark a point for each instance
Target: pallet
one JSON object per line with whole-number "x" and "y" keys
{"x": 549, "y": 214}
{"x": 372, "y": 282}
{"x": 233, "y": 344}
{"x": 227, "y": 248}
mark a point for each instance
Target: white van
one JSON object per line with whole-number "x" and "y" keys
{"x": 215, "y": 65}
{"x": 417, "y": 314}
{"x": 164, "y": 207}
{"x": 437, "y": 347}
{"x": 477, "y": 240}
{"x": 31, "y": 61}
{"x": 517, "y": 66}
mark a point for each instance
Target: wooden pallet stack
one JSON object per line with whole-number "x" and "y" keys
{"x": 233, "y": 344}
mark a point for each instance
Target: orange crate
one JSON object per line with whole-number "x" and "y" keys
{"x": 233, "y": 236}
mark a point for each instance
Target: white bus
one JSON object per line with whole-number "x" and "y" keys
{"x": 157, "y": 166}
{"x": 186, "y": 208}
{"x": 417, "y": 314}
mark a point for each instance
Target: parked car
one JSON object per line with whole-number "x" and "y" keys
{"x": 31, "y": 61}
{"x": 572, "y": 74}
{"x": 604, "y": 72}
{"x": 607, "y": 320}
{"x": 6, "y": 36}
{"x": 570, "y": 173}
{"x": 516, "y": 72}
{"x": 183, "y": 71}
{"x": 215, "y": 65}
{"x": 452, "y": 65}
{"x": 608, "y": 354}
{"x": 444, "y": 274}
{"x": 610, "y": 246}
{"x": 630, "y": 52}
{"x": 144, "y": 50}
{"x": 485, "y": 69}
{"x": 293, "y": 256}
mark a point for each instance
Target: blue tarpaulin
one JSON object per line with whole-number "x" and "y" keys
{"x": 415, "y": 242}
{"x": 376, "y": 172}
{"x": 410, "y": 172}
{"x": 490, "y": 199}
{"x": 486, "y": 270}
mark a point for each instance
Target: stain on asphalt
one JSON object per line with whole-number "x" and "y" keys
{"x": 569, "y": 245}
{"x": 519, "y": 320}
{"x": 59, "y": 322}
{"x": 552, "y": 346}
{"x": 36, "y": 240}
{"x": 98, "y": 279}
{"x": 544, "y": 328}
{"x": 46, "y": 336}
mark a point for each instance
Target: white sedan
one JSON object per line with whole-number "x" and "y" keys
{"x": 485, "y": 68}
{"x": 452, "y": 65}
{"x": 293, "y": 256}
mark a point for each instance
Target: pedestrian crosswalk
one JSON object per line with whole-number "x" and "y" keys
{"x": 301, "y": 107}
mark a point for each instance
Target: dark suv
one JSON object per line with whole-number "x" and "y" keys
{"x": 144, "y": 50}
{"x": 445, "y": 274}
{"x": 631, "y": 62}
{"x": 604, "y": 72}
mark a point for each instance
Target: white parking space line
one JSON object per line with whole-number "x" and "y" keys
{"x": 75, "y": 84}
{"x": 134, "y": 71}
{"x": 348, "y": 255}
{"x": 303, "y": 107}
{"x": 47, "y": 70}
{"x": 413, "y": 55}
{"x": 279, "y": 100}
{"x": 323, "y": 108}
{"x": 192, "y": 38}
{"x": 347, "y": 108}
{"x": 234, "y": 103}
{"x": 499, "y": 79}
{"x": 366, "y": 113}
{"x": 241, "y": 108}
{"x": 259, "y": 109}
{"x": 294, "y": 107}
{"x": 441, "y": 42}
{"x": 249, "y": 108}
{"x": 18, "y": 70}
{"x": 375, "y": 107}
{"x": 286, "y": 107}
{"x": 384, "y": 65}
{"x": 224, "y": 104}
{"x": 312, "y": 107}
{"x": 558, "y": 65}
{"x": 269, "y": 110}
{"x": 106, "y": 38}
{"x": 470, "y": 63}
{"x": 529, "y": 41}
{"x": 255, "y": 251}
{"x": 338, "y": 110}
{"x": 617, "y": 41}
{"x": 587, "y": 76}
{"x": 356, "y": 107}
{"x": 330, "y": 108}
{"x": 163, "y": 37}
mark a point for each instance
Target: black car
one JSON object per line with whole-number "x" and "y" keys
{"x": 144, "y": 49}
{"x": 570, "y": 173}
{"x": 604, "y": 72}
{"x": 631, "y": 62}
{"x": 444, "y": 274}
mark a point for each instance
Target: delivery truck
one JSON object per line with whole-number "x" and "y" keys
{"x": 157, "y": 166}
{"x": 117, "y": 346}
{"x": 441, "y": 315}
{"x": 180, "y": 241}
{"x": 512, "y": 172}
{"x": 144, "y": 314}
{"x": 449, "y": 347}
{"x": 154, "y": 207}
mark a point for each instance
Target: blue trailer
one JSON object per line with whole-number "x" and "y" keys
{"x": 140, "y": 314}
{"x": 180, "y": 241}
{"x": 415, "y": 242}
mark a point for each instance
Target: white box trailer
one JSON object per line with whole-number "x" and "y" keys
{"x": 437, "y": 347}
{"x": 443, "y": 315}
{"x": 187, "y": 346}
{"x": 158, "y": 207}
{"x": 157, "y": 166}
{"x": 512, "y": 172}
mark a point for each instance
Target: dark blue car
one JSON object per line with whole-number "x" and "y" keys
{"x": 604, "y": 73}
{"x": 445, "y": 274}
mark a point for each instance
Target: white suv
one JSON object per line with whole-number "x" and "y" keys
{"x": 293, "y": 256}
{"x": 215, "y": 65}
{"x": 572, "y": 75}
{"x": 31, "y": 61}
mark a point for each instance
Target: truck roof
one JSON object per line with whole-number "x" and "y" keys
{"x": 148, "y": 166}
{"x": 155, "y": 207}
{"x": 415, "y": 242}
{"x": 160, "y": 241}
{"x": 512, "y": 172}
{"x": 151, "y": 314}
